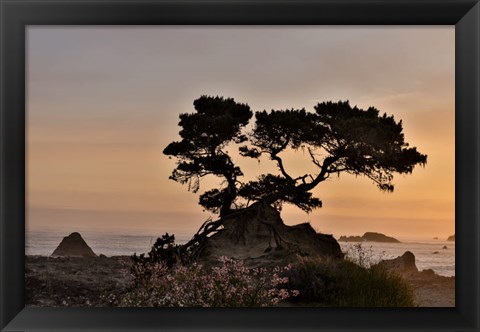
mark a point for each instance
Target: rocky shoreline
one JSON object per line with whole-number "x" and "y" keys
{"x": 429, "y": 288}
{"x": 75, "y": 276}
{"x": 97, "y": 281}
{"x": 74, "y": 281}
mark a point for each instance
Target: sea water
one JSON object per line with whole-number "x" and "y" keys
{"x": 108, "y": 243}
{"x": 429, "y": 254}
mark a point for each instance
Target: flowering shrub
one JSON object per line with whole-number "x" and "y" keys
{"x": 230, "y": 284}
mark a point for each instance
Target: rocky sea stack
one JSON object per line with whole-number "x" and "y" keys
{"x": 259, "y": 236}
{"x": 370, "y": 237}
{"x": 73, "y": 246}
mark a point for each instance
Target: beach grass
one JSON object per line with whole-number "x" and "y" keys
{"x": 325, "y": 282}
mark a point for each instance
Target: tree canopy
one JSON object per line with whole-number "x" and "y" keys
{"x": 339, "y": 139}
{"x": 205, "y": 135}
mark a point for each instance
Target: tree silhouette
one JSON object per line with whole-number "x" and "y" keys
{"x": 338, "y": 138}
{"x": 205, "y": 135}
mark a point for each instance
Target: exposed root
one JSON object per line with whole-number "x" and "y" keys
{"x": 195, "y": 246}
{"x": 280, "y": 242}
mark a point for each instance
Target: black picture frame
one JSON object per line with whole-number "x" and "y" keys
{"x": 16, "y": 15}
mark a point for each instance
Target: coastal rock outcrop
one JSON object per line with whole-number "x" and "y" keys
{"x": 259, "y": 236}
{"x": 430, "y": 289}
{"x": 370, "y": 237}
{"x": 73, "y": 246}
{"x": 404, "y": 263}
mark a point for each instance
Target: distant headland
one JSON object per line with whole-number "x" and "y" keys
{"x": 369, "y": 237}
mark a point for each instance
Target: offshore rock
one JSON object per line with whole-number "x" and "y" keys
{"x": 73, "y": 246}
{"x": 370, "y": 237}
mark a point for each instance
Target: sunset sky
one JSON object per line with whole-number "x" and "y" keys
{"x": 103, "y": 102}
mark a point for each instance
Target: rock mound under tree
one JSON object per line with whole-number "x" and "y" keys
{"x": 258, "y": 236}
{"x": 369, "y": 237}
{"x": 73, "y": 246}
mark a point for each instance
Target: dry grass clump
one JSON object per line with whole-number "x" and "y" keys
{"x": 330, "y": 282}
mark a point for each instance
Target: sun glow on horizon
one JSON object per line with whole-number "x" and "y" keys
{"x": 104, "y": 102}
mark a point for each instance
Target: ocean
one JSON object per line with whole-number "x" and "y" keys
{"x": 429, "y": 254}
{"x": 108, "y": 243}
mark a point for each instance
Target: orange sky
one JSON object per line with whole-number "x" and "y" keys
{"x": 102, "y": 103}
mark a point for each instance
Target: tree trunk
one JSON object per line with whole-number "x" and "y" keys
{"x": 229, "y": 198}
